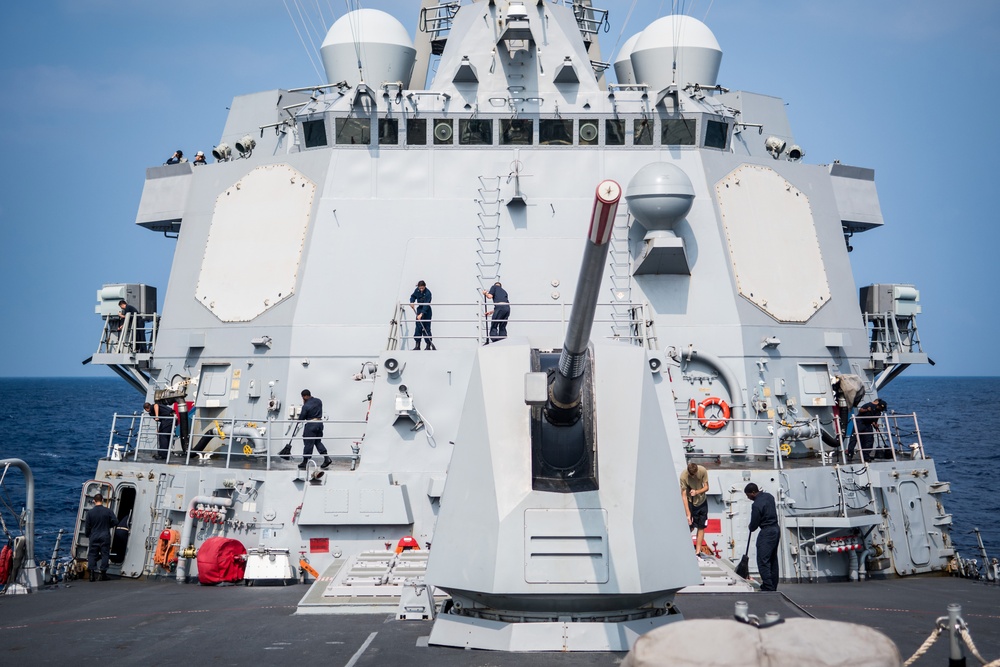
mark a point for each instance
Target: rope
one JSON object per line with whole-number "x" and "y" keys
{"x": 967, "y": 638}
{"x": 925, "y": 646}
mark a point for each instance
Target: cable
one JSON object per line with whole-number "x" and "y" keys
{"x": 297, "y": 32}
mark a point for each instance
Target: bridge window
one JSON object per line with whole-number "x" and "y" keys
{"x": 614, "y": 132}
{"x": 555, "y": 132}
{"x": 678, "y": 132}
{"x": 354, "y": 131}
{"x": 516, "y": 131}
{"x": 475, "y": 132}
{"x": 416, "y": 131}
{"x": 444, "y": 131}
{"x": 314, "y": 133}
{"x": 588, "y": 132}
{"x": 388, "y": 131}
{"x": 643, "y": 132}
{"x": 716, "y": 134}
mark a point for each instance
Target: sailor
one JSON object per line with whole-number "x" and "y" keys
{"x": 764, "y": 515}
{"x": 177, "y": 157}
{"x": 420, "y": 302}
{"x": 694, "y": 490}
{"x": 312, "y": 415}
{"x": 868, "y": 422}
{"x": 97, "y": 526}
{"x": 199, "y": 158}
{"x": 137, "y": 324}
{"x": 500, "y": 312}
{"x": 164, "y": 416}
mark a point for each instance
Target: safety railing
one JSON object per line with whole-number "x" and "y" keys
{"x": 589, "y": 18}
{"x": 893, "y": 437}
{"x": 229, "y": 442}
{"x": 467, "y": 324}
{"x": 131, "y": 334}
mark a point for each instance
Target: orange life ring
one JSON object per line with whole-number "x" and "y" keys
{"x": 716, "y": 424}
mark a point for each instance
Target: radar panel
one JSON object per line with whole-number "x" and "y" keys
{"x": 772, "y": 241}
{"x": 255, "y": 242}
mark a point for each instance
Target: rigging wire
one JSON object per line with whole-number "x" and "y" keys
{"x": 299, "y": 33}
{"x": 308, "y": 25}
{"x": 355, "y": 36}
{"x": 614, "y": 49}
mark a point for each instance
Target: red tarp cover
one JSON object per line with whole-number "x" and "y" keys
{"x": 220, "y": 559}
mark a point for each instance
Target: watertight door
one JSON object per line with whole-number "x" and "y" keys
{"x": 916, "y": 527}
{"x": 90, "y": 488}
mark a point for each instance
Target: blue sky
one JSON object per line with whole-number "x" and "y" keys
{"x": 94, "y": 91}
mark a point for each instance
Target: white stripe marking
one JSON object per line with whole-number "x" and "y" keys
{"x": 354, "y": 658}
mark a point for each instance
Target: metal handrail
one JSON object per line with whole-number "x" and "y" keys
{"x": 550, "y": 322}
{"x": 899, "y": 434}
{"x": 115, "y": 340}
{"x": 134, "y": 437}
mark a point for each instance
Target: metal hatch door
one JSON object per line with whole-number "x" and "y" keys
{"x": 917, "y": 539}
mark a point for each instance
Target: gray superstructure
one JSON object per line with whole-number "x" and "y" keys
{"x": 727, "y": 329}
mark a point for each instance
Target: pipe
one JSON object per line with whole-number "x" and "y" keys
{"x": 863, "y": 557}
{"x": 29, "y": 567}
{"x": 227, "y": 432}
{"x": 852, "y": 567}
{"x": 732, "y": 386}
{"x": 800, "y": 432}
{"x": 182, "y": 563}
{"x": 184, "y": 423}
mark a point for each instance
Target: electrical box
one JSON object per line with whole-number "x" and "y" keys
{"x": 142, "y": 297}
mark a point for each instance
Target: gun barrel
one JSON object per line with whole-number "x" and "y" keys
{"x": 567, "y": 382}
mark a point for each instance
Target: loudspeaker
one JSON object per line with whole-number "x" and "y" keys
{"x": 655, "y": 364}
{"x": 588, "y": 131}
{"x": 392, "y": 367}
{"x": 443, "y": 131}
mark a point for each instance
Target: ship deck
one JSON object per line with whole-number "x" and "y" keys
{"x": 143, "y": 622}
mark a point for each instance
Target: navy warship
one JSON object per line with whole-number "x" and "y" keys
{"x": 678, "y": 289}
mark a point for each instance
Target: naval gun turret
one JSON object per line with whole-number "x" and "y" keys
{"x": 540, "y": 548}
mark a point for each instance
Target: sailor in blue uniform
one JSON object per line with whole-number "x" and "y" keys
{"x": 164, "y": 416}
{"x": 137, "y": 324}
{"x": 97, "y": 526}
{"x": 312, "y": 432}
{"x": 867, "y": 420}
{"x": 500, "y": 312}
{"x": 764, "y": 515}
{"x": 420, "y": 302}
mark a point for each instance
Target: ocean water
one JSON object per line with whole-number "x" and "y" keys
{"x": 61, "y": 426}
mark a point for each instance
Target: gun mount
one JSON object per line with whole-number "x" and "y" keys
{"x": 559, "y": 555}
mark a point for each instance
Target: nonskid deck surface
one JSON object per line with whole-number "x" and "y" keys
{"x": 139, "y": 622}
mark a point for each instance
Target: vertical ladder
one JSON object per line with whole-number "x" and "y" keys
{"x": 158, "y": 521}
{"x": 620, "y": 261}
{"x": 488, "y": 240}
